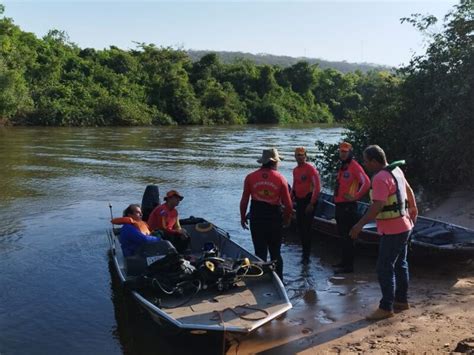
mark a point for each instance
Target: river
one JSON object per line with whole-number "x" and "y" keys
{"x": 57, "y": 294}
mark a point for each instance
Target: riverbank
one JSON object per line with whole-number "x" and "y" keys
{"x": 457, "y": 208}
{"x": 331, "y": 320}
{"x": 440, "y": 316}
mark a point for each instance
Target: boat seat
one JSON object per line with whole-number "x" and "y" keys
{"x": 161, "y": 247}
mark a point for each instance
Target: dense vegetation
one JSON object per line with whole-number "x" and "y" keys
{"x": 286, "y": 61}
{"x": 425, "y": 113}
{"x": 51, "y": 81}
{"x": 422, "y": 113}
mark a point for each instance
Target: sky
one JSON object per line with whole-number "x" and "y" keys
{"x": 354, "y": 31}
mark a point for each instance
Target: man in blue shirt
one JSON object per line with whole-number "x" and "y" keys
{"x": 132, "y": 234}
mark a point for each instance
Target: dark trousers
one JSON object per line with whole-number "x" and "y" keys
{"x": 304, "y": 222}
{"x": 346, "y": 217}
{"x": 266, "y": 230}
{"x": 392, "y": 269}
{"x": 180, "y": 244}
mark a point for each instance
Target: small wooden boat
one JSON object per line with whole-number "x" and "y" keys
{"x": 428, "y": 233}
{"x": 254, "y": 299}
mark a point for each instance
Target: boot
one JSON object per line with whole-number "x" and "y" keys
{"x": 379, "y": 314}
{"x": 400, "y": 306}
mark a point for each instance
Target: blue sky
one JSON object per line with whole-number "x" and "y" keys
{"x": 355, "y": 31}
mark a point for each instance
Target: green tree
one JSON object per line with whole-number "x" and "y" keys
{"x": 424, "y": 114}
{"x": 15, "y": 100}
{"x": 266, "y": 82}
{"x": 221, "y": 103}
{"x": 51, "y": 81}
{"x": 301, "y": 77}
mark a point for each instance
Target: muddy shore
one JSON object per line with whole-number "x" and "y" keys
{"x": 328, "y": 314}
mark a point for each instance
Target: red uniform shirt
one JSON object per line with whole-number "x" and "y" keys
{"x": 266, "y": 185}
{"x": 306, "y": 180}
{"x": 164, "y": 219}
{"x": 352, "y": 180}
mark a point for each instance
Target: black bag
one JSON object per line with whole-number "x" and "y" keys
{"x": 169, "y": 273}
{"x": 171, "y": 262}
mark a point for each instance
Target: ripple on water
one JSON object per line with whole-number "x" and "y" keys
{"x": 54, "y": 214}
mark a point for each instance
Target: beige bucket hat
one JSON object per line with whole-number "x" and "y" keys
{"x": 269, "y": 155}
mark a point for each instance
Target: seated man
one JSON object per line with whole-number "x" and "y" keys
{"x": 135, "y": 231}
{"x": 165, "y": 219}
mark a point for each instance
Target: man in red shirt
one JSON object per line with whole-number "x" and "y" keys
{"x": 352, "y": 183}
{"x": 394, "y": 209}
{"x": 269, "y": 190}
{"x": 306, "y": 189}
{"x": 165, "y": 219}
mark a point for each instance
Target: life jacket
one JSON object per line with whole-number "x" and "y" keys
{"x": 396, "y": 205}
{"x": 142, "y": 226}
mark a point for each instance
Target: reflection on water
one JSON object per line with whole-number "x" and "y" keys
{"x": 56, "y": 186}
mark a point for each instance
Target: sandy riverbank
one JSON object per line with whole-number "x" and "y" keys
{"x": 458, "y": 208}
{"x": 328, "y": 314}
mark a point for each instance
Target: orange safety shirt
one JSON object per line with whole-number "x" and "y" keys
{"x": 165, "y": 219}
{"x": 266, "y": 185}
{"x": 306, "y": 180}
{"x": 142, "y": 226}
{"x": 352, "y": 180}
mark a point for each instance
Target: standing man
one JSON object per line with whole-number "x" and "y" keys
{"x": 352, "y": 183}
{"x": 306, "y": 189}
{"x": 269, "y": 190}
{"x": 165, "y": 219}
{"x": 394, "y": 208}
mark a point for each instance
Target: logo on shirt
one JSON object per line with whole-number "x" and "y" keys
{"x": 163, "y": 213}
{"x": 265, "y": 175}
{"x": 265, "y": 183}
{"x": 346, "y": 175}
{"x": 304, "y": 177}
{"x": 266, "y": 193}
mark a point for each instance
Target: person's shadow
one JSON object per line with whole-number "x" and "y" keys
{"x": 316, "y": 338}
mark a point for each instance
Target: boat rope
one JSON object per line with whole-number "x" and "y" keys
{"x": 156, "y": 282}
{"x": 204, "y": 227}
{"x": 248, "y": 268}
{"x": 198, "y": 288}
{"x": 219, "y": 315}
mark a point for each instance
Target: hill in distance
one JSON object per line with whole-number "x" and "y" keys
{"x": 286, "y": 61}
